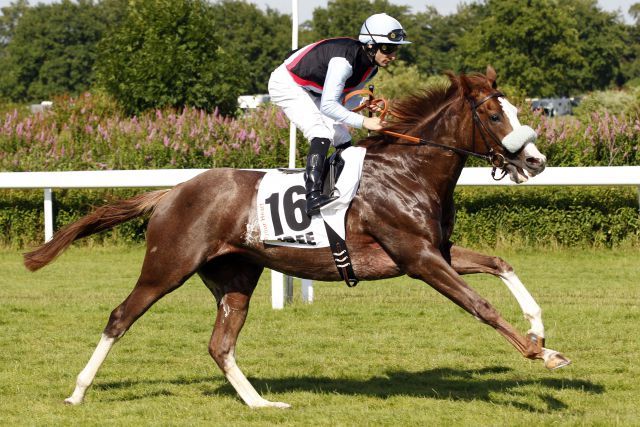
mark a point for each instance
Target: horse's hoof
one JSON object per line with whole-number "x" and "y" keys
{"x": 555, "y": 360}
{"x": 72, "y": 401}
{"x": 280, "y": 405}
{"x": 268, "y": 404}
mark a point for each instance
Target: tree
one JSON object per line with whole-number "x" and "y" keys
{"x": 262, "y": 39}
{"x": 171, "y": 53}
{"x": 547, "y": 47}
{"x": 9, "y": 19}
{"x": 436, "y": 37}
{"x": 344, "y": 18}
{"x": 630, "y": 66}
{"x": 50, "y": 49}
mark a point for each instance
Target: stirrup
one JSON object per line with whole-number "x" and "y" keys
{"x": 315, "y": 203}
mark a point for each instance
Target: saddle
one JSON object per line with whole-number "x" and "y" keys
{"x": 333, "y": 167}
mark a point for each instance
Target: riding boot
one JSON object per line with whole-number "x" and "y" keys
{"x": 313, "y": 176}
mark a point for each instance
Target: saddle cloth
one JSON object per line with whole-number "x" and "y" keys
{"x": 281, "y": 206}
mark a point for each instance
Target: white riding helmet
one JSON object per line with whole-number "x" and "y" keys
{"x": 382, "y": 28}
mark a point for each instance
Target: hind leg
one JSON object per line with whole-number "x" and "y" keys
{"x": 466, "y": 261}
{"x": 154, "y": 282}
{"x": 232, "y": 280}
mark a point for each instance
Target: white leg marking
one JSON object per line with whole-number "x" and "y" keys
{"x": 244, "y": 388}
{"x": 86, "y": 376}
{"x": 530, "y": 308}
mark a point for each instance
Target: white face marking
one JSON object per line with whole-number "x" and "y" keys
{"x": 520, "y": 135}
{"x": 510, "y": 111}
{"x": 530, "y": 150}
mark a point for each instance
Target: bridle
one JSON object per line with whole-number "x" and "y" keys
{"x": 497, "y": 160}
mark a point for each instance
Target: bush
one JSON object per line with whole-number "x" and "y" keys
{"x": 487, "y": 217}
{"x": 603, "y": 140}
{"x": 529, "y": 216}
{"x": 169, "y": 53}
{"x": 89, "y": 133}
{"x": 613, "y": 102}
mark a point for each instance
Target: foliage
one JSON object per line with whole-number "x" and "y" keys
{"x": 51, "y": 49}
{"x": 88, "y": 133}
{"x": 604, "y": 139}
{"x": 436, "y": 38}
{"x": 261, "y": 39}
{"x": 344, "y": 18}
{"x": 548, "y": 48}
{"x": 543, "y": 217}
{"x": 401, "y": 79}
{"x": 9, "y": 20}
{"x": 487, "y": 217}
{"x": 169, "y": 54}
{"x": 22, "y": 221}
{"x": 614, "y": 102}
{"x": 202, "y": 54}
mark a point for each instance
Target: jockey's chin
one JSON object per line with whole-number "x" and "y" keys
{"x": 383, "y": 59}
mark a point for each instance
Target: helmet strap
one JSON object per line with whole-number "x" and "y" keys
{"x": 371, "y": 49}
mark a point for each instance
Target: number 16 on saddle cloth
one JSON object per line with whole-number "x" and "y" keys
{"x": 281, "y": 206}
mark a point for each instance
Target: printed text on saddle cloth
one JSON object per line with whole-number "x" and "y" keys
{"x": 281, "y": 206}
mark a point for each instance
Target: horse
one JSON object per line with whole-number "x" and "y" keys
{"x": 399, "y": 223}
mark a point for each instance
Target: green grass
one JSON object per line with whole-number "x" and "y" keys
{"x": 391, "y": 352}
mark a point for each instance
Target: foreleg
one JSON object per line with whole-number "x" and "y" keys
{"x": 466, "y": 261}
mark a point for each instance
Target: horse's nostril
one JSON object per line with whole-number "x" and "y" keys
{"x": 533, "y": 161}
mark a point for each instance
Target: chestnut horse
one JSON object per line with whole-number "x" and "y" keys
{"x": 399, "y": 223}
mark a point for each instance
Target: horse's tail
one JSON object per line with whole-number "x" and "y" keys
{"x": 103, "y": 218}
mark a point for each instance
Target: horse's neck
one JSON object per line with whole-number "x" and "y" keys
{"x": 435, "y": 170}
{"x": 426, "y": 172}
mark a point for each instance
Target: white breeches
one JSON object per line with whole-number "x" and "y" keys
{"x": 303, "y": 109}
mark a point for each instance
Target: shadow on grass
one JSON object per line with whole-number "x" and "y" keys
{"x": 440, "y": 383}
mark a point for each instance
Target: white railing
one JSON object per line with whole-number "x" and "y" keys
{"x": 612, "y": 176}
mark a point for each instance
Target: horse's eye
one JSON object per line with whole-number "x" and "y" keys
{"x": 494, "y": 118}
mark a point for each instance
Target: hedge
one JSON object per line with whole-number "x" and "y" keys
{"x": 487, "y": 217}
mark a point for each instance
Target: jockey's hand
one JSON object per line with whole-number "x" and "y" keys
{"x": 372, "y": 123}
{"x": 376, "y": 107}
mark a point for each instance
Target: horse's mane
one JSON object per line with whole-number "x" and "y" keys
{"x": 414, "y": 113}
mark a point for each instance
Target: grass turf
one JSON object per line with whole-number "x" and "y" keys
{"x": 391, "y": 352}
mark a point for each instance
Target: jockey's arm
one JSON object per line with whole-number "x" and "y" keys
{"x": 338, "y": 71}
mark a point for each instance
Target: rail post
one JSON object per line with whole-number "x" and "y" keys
{"x": 48, "y": 214}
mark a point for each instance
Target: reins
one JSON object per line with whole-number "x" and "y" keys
{"x": 496, "y": 160}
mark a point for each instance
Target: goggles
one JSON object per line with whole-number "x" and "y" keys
{"x": 393, "y": 35}
{"x": 388, "y": 49}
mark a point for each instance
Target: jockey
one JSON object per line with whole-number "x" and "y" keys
{"x": 311, "y": 83}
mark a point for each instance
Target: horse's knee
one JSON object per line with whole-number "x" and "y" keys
{"x": 486, "y": 313}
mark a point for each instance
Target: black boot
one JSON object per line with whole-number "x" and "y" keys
{"x": 313, "y": 176}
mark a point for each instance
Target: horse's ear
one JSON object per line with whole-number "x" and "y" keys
{"x": 465, "y": 85}
{"x": 491, "y": 76}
